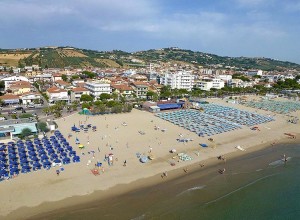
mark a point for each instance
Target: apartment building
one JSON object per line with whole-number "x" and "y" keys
{"x": 178, "y": 80}
{"x": 140, "y": 89}
{"x": 96, "y": 88}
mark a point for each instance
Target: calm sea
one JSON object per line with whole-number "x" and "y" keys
{"x": 255, "y": 186}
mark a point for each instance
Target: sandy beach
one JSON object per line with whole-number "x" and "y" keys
{"x": 50, "y": 192}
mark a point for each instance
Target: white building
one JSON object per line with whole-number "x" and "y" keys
{"x": 11, "y": 79}
{"x": 210, "y": 84}
{"x": 96, "y": 88}
{"x": 56, "y": 94}
{"x": 179, "y": 80}
{"x": 226, "y": 78}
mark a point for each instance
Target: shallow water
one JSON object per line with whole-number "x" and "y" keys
{"x": 250, "y": 188}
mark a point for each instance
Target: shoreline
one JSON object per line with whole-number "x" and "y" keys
{"x": 77, "y": 185}
{"x": 68, "y": 204}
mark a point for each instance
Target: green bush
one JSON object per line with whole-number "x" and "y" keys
{"x": 42, "y": 126}
{"x": 25, "y": 115}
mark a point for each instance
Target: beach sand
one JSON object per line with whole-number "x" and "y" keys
{"x": 49, "y": 192}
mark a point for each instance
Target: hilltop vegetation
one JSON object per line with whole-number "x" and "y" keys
{"x": 79, "y": 58}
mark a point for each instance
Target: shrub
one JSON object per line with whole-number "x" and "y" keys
{"x": 25, "y": 115}
{"x": 42, "y": 126}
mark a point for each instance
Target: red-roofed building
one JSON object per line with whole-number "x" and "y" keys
{"x": 56, "y": 94}
{"x": 10, "y": 99}
{"x": 77, "y": 92}
{"x": 19, "y": 87}
{"x": 123, "y": 90}
{"x": 62, "y": 84}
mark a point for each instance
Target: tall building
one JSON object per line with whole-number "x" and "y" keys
{"x": 96, "y": 88}
{"x": 178, "y": 80}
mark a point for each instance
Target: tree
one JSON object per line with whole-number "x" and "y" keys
{"x": 46, "y": 110}
{"x": 150, "y": 94}
{"x": 114, "y": 96}
{"x": 165, "y": 92}
{"x": 25, "y": 132}
{"x": 42, "y": 126}
{"x": 75, "y": 105}
{"x": 111, "y": 103}
{"x": 105, "y": 96}
{"x": 64, "y": 77}
{"x": 86, "y": 98}
{"x": 2, "y": 85}
{"x": 89, "y": 74}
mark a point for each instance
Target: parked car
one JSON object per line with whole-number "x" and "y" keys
{"x": 31, "y": 106}
{"x": 12, "y": 112}
{"x": 19, "y": 108}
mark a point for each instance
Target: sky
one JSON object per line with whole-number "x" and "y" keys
{"x": 250, "y": 28}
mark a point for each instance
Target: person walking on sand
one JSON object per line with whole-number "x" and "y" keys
{"x": 185, "y": 170}
{"x": 125, "y": 163}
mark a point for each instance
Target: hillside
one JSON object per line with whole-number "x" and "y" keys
{"x": 79, "y": 58}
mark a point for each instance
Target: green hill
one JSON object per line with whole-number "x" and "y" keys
{"x": 59, "y": 57}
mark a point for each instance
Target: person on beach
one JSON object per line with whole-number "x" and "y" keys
{"x": 222, "y": 171}
{"x": 284, "y": 158}
{"x": 164, "y": 174}
{"x": 125, "y": 163}
{"x": 57, "y": 172}
{"x": 185, "y": 170}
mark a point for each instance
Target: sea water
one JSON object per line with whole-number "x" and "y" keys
{"x": 254, "y": 186}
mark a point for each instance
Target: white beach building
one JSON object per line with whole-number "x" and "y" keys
{"x": 96, "y": 88}
{"x": 178, "y": 80}
{"x": 210, "y": 83}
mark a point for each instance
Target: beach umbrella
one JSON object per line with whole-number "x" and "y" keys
{"x": 12, "y": 156}
{"x": 14, "y": 170}
{"x": 57, "y": 160}
{"x": 2, "y": 166}
{"x": 144, "y": 159}
{"x": 50, "y": 150}
{"x": 80, "y": 146}
{"x": 46, "y": 163}
{"x": 32, "y": 153}
{"x": 34, "y": 158}
{"x": 53, "y": 156}
{"x": 76, "y": 159}
{"x": 3, "y": 172}
{"x": 24, "y": 160}
{"x": 37, "y": 164}
{"x": 44, "y": 156}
